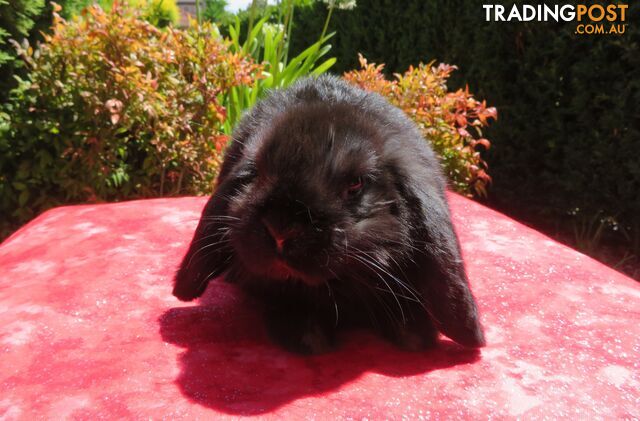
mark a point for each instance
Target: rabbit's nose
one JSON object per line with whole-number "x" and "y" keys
{"x": 280, "y": 236}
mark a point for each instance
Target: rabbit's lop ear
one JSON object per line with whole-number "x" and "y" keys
{"x": 439, "y": 271}
{"x": 209, "y": 253}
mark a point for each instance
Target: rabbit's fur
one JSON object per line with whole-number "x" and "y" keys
{"x": 330, "y": 208}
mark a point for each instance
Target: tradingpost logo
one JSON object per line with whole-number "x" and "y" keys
{"x": 590, "y": 19}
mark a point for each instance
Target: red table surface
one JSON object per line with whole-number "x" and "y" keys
{"x": 89, "y": 329}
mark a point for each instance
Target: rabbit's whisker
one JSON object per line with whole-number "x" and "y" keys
{"x": 335, "y": 303}
{"x": 406, "y": 286}
{"x": 404, "y": 320}
{"x": 225, "y": 231}
{"x": 216, "y": 243}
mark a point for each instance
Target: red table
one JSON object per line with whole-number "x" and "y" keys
{"x": 89, "y": 328}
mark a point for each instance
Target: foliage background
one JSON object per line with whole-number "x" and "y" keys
{"x": 18, "y": 20}
{"x": 115, "y": 107}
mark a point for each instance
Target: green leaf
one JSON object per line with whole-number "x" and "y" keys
{"x": 23, "y": 198}
{"x": 19, "y": 186}
{"x": 326, "y": 65}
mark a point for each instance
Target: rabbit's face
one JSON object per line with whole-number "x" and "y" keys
{"x": 317, "y": 200}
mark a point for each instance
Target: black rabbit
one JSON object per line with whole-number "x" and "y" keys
{"x": 330, "y": 208}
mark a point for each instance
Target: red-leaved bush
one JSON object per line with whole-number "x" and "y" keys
{"x": 452, "y": 121}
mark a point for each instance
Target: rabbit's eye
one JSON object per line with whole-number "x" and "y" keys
{"x": 354, "y": 187}
{"x": 248, "y": 174}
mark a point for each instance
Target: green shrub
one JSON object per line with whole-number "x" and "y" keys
{"x": 71, "y": 8}
{"x": 215, "y": 11}
{"x": 115, "y": 108}
{"x": 17, "y": 20}
{"x": 159, "y": 13}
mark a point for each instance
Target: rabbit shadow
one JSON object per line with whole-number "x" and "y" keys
{"x": 230, "y": 365}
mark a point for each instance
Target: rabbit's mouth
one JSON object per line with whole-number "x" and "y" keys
{"x": 280, "y": 270}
